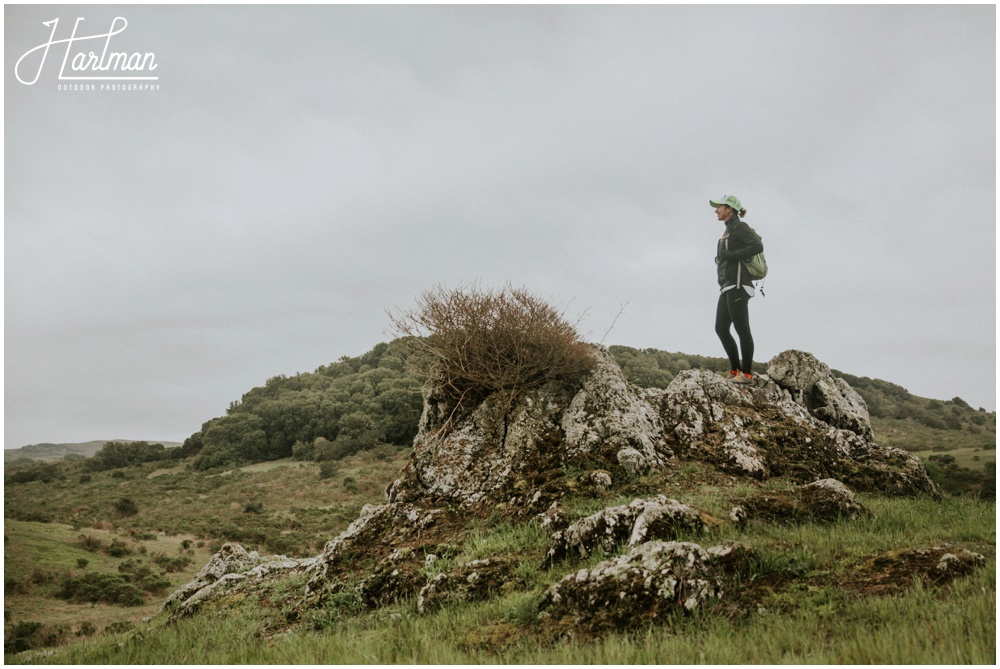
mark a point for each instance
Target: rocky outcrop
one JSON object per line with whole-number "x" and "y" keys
{"x": 473, "y": 581}
{"x": 595, "y": 438}
{"x": 891, "y": 571}
{"x": 631, "y": 524}
{"x": 815, "y": 427}
{"x": 379, "y": 531}
{"x": 799, "y": 420}
{"x": 649, "y": 581}
{"x": 230, "y": 566}
{"x": 489, "y": 457}
{"x": 826, "y": 500}
{"x": 827, "y": 397}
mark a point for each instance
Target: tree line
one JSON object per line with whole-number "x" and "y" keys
{"x": 341, "y": 408}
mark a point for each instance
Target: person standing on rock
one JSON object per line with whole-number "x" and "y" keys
{"x": 738, "y": 245}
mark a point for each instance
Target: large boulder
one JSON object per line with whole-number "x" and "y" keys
{"x": 649, "y": 581}
{"x": 827, "y": 397}
{"x": 489, "y": 455}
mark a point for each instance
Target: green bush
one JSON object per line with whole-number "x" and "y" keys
{"x": 118, "y": 548}
{"x": 169, "y": 564}
{"x": 90, "y": 543}
{"x": 302, "y": 450}
{"x": 126, "y": 507}
{"x": 285, "y": 417}
{"x": 13, "y": 586}
{"x": 118, "y": 454}
{"x": 143, "y": 577}
{"x": 328, "y": 469}
{"x": 45, "y": 472}
{"x": 23, "y": 636}
{"x": 253, "y": 507}
{"x": 106, "y": 588}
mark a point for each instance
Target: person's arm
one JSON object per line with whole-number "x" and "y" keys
{"x": 744, "y": 244}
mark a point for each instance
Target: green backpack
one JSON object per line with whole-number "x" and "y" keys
{"x": 757, "y": 266}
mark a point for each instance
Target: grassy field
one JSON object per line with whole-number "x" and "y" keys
{"x": 914, "y": 437}
{"x": 809, "y": 601}
{"x": 183, "y": 517}
{"x": 807, "y": 608}
{"x": 39, "y": 556}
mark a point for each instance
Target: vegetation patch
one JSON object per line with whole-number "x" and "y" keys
{"x": 892, "y": 571}
{"x": 475, "y": 344}
{"x": 106, "y": 588}
{"x": 429, "y": 581}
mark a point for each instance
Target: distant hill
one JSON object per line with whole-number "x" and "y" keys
{"x": 49, "y": 452}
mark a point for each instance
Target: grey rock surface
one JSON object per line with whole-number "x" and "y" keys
{"x": 651, "y": 579}
{"x": 631, "y": 524}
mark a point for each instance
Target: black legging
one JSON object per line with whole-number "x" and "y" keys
{"x": 732, "y": 310}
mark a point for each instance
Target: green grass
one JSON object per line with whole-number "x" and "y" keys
{"x": 805, "y": 615}
{"x": 969, "y": 457}
{"x": 811, "y": 619}
{"x": 296, "y": 513}
{"x": 922, "y": 625}
{"x": 915, "y": 437}
{"x": 39, "y": 556}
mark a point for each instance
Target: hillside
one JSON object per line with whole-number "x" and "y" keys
{"x": 49, "y": 452}
{"x": 808, "y": 594}
{"x": 374, "y": 401}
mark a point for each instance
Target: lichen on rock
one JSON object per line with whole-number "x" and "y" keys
{"x": 598, "y": 436}
{"x": 827, "y": 397}
{"x": 652, "y": 579}
{"x": 231, "y": 565}
{"x": 476, "y": 459}
{"x": 640, "y": 520}
{"x": 826, "y": 500}
{"x": 890, "y": 571}
{"x": 475, "y": 580}
{"x": 798, "y": 421}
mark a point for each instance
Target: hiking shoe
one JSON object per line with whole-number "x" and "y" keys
{"x": 731, "y": 376}
{"x": 743, "y": 380}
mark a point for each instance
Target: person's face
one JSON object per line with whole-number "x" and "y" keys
{"x": 723, "y": 212}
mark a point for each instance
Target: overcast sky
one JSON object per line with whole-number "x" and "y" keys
{"x": 301, "y": 170}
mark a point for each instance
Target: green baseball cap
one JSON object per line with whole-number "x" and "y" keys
{"x": 728, "y": 200}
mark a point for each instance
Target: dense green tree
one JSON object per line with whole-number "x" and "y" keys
{"x": 374, "y": 397}
{"x": 117, "y": 454}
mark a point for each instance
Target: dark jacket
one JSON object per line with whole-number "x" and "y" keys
{"x": 738, "y": 244}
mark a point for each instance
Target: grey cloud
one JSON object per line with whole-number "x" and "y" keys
{"x": 302, "y": 169}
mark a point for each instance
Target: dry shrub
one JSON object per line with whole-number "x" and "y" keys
{"x": 472, "y": 344}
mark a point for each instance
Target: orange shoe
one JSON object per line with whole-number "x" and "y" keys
{"x": 731, "y": 376}
{"x": 743, "y": 379}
